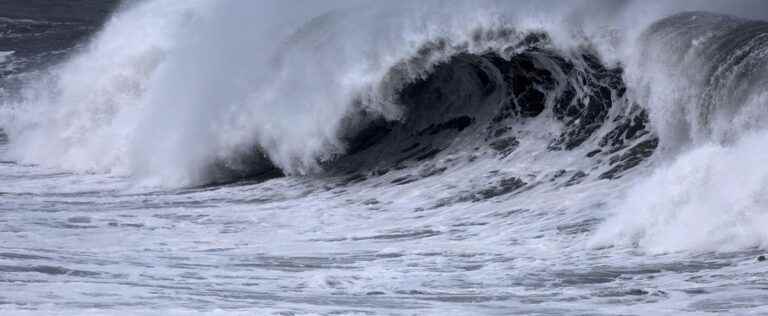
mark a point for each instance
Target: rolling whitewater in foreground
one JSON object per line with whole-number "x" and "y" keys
{"x": 227, "y": 157}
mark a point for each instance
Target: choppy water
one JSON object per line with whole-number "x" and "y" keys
{"x": 81, "y": 244}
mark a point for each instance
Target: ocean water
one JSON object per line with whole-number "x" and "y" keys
{"x": 232, "y": 157}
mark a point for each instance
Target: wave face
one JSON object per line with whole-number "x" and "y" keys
{"x": 620, "y": 142}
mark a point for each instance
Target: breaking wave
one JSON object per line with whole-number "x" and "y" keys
{"x": 197, "y": 92}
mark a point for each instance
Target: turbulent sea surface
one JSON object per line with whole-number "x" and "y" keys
{"x": 227, "y": 157}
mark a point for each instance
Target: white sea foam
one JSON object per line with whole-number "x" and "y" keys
{"x": 712, "y": 198}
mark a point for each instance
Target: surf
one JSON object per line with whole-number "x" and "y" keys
{"x": 168, "y": 95}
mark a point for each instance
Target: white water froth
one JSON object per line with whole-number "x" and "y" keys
{"x": 710, "y": 199}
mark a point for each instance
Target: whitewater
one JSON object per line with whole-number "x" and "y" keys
{"x": 227, "y": 157}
